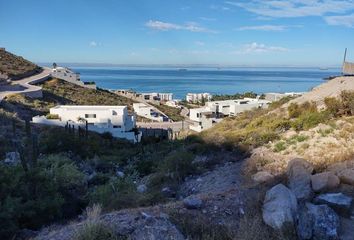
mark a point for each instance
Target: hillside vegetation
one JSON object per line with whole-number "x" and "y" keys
{"x": 59, "y": 92}
{"x": 16, "y": 67}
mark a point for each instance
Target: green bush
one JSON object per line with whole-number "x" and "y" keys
{"x": 280, "y": 146}
{"x": 309, "y": 120}
{"x": 116, "y": 194}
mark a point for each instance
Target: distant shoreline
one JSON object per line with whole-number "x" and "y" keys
{"x": 213, "y": 66}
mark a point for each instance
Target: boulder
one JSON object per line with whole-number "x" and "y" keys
{"x": 338, "y": 201}
{"x": 299, "y": 178}
{"x": 12, "y": 158}
{"x": 141, "y": 188}
{"x": 346, "y": 176}
{"x": 317, "y": 222}
{"x": 279, "y": 208}
{"x": 262, "y": 177}
{"x": 337, "y": 167}
{"x": 324, "y": 181}
{"x": 193, "y": 203}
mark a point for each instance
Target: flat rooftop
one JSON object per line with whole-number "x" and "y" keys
{"x": 88, "y": 107}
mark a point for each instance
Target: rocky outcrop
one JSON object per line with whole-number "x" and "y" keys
{"x": 338, "y": 201}
{"x": 325, "y": 181}
{"x": 347, "y": 176}
{"x": 279, "y": 209}
{"x": 318, "y": 222}
{"x": 299, "y": 178}
{"x": 262, "y": 177}
{"x": 135, "y": 225}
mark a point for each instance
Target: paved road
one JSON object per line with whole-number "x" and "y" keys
{"x": 24, "y": 85}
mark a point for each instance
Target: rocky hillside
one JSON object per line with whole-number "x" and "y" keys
{"x": 16, "y": 67}
{"x": 286, "y": 172}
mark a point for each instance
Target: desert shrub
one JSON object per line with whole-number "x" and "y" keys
{"x": 280, "y": 146}
{"x": 27, "y": 199}
{"x": 347, "y": 99}
{"x": 295, "y": 110}
{"x": 116, "y": 194}
{"x": 199, "y": 227}
{"x": 280, "y": 102}
{"x": 309, "y": 120}
{"x": 177, "y": 165}
{"x": 333, "y": 105}
{"x": 95, "y": 230}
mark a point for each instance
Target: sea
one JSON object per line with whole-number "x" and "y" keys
{"x": 211, "y": 80}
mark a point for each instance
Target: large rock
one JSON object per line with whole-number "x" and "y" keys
{"x": 12, "y": 158}
{"x": 299, "y": 178}
{"x": 338, "y": 201}
{"x": 346, "y": 176}
{"x": 324, "y": 181}
{"x": 279, "y": 208}
{"x": 318, "y": 222}
{"x": 193, "y": 203}
{"x": 262, "y": 177}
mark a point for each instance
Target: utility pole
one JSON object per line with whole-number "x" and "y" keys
{"x": 345, "y": 57}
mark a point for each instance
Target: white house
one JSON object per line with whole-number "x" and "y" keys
{"x": 148, "y": 112}
{"x": 157, "y": 96}
{"x": 198, "y": 97}
{"x": 173, "y": 103}
{"x": 204, "y": 117}
{"x": 233, "y": 107}
{"x": 113, "y": 119}
{"x": 68, "y": 75}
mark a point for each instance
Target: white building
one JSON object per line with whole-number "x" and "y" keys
{"x": 233, "y": 107}
{"x": 68, "y": 75}
{"x": 198, "y": 97}
{"x": 204, "y": 117}
{"x": 157, "y": 96}
{"x": 173, "y": 103}
{"x": 148, "y": 112}
{"x": 113, "y": 119}
{"x": 277, "y": 96}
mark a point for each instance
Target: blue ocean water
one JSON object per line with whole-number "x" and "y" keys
{"x": 212, "y": 80}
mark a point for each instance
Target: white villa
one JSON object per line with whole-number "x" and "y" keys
{"x": 157, "y": 96}
{"x": 68, "y": 75}
{"x": 148, "y": 112}
{"x": 204, "y": 117}
{"x": 198, "y": 97}
{"x": 173, "y": 103}
{"x": 113, "y": 119}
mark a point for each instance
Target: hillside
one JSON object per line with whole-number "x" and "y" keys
{"x": 213, "y": 185}
{"x": 16, "y": 67}
{"x": 59, "y": 92}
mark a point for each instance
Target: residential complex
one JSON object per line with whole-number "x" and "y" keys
{"x": 198, "y": 97}
{"x": 113, "y": 119}
{"x": 214, "y": 111}
{"x": 157, "y": 96}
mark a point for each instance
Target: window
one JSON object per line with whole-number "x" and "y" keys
{"x": 114, "y": 113}
{"x": 117, "y": 126}
{"x": 198, "y": 115}
{"x": 90, "y": 115}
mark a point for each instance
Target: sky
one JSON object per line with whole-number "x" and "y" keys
{"x": 217, "y": 32}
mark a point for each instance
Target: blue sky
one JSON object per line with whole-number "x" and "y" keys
{"x": 252, "y": 33}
